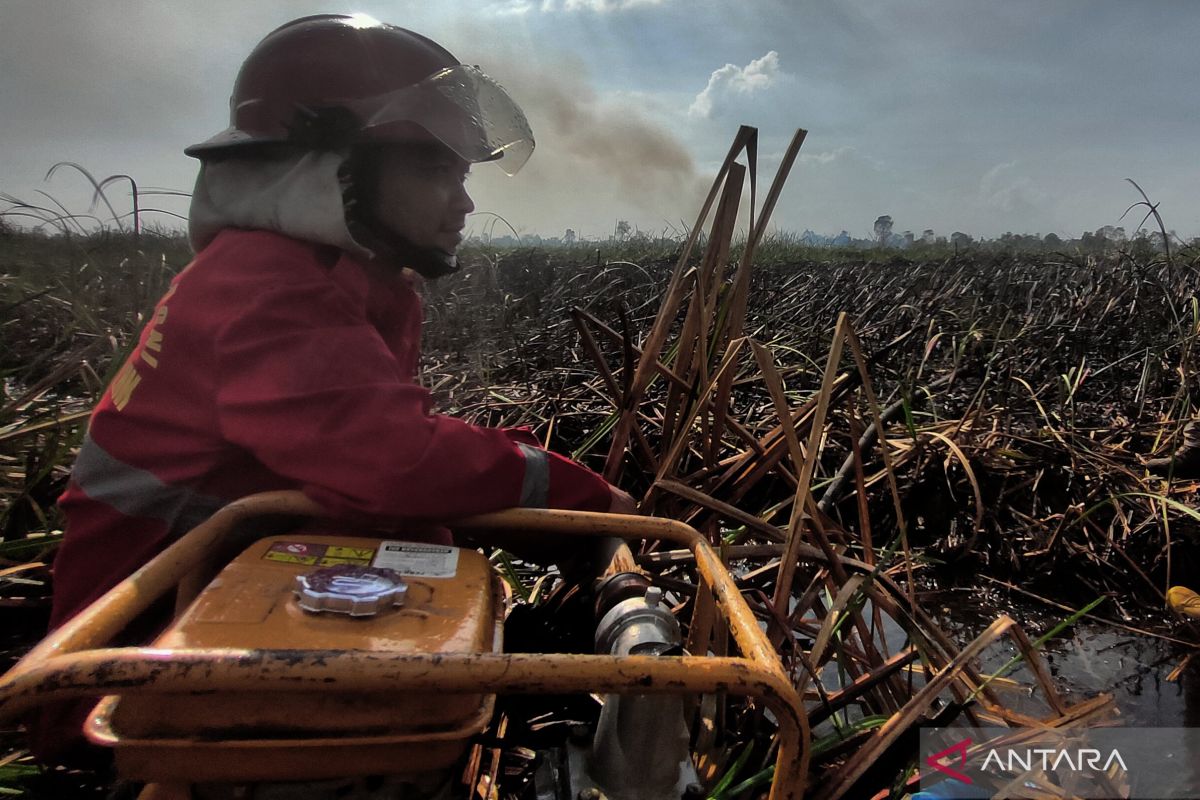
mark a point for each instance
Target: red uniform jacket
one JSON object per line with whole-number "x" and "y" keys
{"x": 273, "y": 363}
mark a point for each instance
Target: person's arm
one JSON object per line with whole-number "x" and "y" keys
{"x": 312, "y": 391}
{"x": 620, "y": 501}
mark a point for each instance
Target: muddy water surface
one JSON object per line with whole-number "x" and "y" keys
{"x": 1089, "y": 658}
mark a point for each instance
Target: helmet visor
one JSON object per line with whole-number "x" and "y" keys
{"x": 464, "y": 109}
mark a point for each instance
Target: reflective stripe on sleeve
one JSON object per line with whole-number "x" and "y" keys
{"x": 535, "y": 488}
{"x": 136, "y": 492}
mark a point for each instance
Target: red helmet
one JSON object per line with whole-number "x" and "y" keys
{"x": 330, "y": 81}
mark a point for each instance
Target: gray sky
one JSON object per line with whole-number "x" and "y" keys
{"x": 967, "y": 115}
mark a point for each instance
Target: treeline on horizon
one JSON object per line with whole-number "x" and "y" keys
{"x": 626, "y": 240}
{"x": 1103, "y": 240}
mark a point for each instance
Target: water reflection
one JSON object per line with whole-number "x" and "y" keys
{"x": 1086, "y": 660}
{"x": 1191, "y": 715}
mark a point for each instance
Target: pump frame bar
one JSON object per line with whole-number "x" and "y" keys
{"x": 73, "y": 661}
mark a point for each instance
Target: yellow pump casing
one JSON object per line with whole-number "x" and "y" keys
{"x": 452, "y": 605}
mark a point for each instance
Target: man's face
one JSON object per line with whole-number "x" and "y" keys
{"x": 422, "y": 195}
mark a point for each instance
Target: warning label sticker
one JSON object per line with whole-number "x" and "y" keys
{"x": 418, "y": 560}
{"x": 314, "y": 554}
{"x": 289, "y": 558}
{"x": 354, "y": 553}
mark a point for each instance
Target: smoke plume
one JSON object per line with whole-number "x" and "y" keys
{"x": 596, "y": 160}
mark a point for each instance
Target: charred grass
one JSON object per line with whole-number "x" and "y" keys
{"x": 851, "y": 428}
{"x": 1022, "y": 394}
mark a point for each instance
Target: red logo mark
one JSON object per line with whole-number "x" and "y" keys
{"x": 961, "y": 749}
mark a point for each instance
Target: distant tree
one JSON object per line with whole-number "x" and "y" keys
{"x": 1141, "y": 246}
{"x": 909, "y": 238}
{"x": 569, "y": 237}
{"x": 1095, "y": 242}
{"x": 927, "y": 236}
{"x": 960, "y": 239}
{"x": 883, "y": 230}
{"x": 1052, "y": 240}
{"x": 1154, "y": 238}
{"x": 623, "y": 230}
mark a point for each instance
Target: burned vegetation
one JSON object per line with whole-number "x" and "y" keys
{"x": 850, "y": 430}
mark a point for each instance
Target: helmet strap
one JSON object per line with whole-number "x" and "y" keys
{"x": 391, "y": 248}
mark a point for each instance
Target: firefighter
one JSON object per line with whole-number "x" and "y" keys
{"x": 284, "y": 355}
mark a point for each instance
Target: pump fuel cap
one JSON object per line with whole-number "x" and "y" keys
{"x": 350, "y": 589}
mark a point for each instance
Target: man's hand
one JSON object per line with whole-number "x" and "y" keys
{"x": 622, "y": 502}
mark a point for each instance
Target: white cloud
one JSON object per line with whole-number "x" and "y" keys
{"x": 507, "y": 8}
{"x": 828, "y": 156}
{"x": 599, "y": 6}
{"x": 732, "y": 80}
